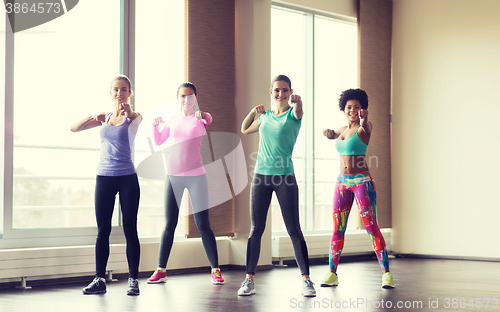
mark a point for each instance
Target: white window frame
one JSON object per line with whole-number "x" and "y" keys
{"x": 28, "y": 238}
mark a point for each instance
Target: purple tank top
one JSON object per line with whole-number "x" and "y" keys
{"x": 116, "y": 149}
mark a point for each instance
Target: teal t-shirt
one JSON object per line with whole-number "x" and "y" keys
{"x": 278, "y": 135}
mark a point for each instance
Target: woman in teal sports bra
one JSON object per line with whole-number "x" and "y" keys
{"x": 354, "y": 183}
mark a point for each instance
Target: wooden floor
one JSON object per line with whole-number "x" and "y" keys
{"x": 419, "y": 283}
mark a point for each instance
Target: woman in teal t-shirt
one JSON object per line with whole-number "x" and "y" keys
{"x": 274, "y": 173}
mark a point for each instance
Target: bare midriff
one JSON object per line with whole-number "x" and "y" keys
{"x": 353, "y": 164}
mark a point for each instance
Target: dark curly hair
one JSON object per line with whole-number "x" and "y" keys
{"x": 353, "y": 94}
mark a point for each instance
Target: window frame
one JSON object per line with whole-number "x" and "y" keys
{"x": 43, "y": 237}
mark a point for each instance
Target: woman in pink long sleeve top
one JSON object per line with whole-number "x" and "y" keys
{"x": 183, "y": 134}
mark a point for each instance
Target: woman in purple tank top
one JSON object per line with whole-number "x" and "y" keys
{"x": 115, "y": 175}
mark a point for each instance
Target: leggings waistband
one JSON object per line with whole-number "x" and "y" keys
{"x": 352, "y": 179}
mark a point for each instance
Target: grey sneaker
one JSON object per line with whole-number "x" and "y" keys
{"x": 308, "y": 288}
{"x": 133, "y": 285}
{"x": 247, "y": 288}
{"x": 97, "y": 286}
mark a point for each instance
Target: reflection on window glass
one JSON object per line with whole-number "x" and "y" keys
{"x": 334, "y": 64}
{"x": 62, "y": 71}
{"x": 160, "y": 68}
{"x": 336, "y": 69}
{"x": 288, "y": 57}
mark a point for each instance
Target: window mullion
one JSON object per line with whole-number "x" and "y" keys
{"x": 309, "y": 165}
{"x": 8, "y": 148}
{"x": 127, "y": 55}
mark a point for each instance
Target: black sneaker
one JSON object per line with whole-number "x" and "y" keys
{"x": 97, "y": 286}
{"x": 133, "y": 285}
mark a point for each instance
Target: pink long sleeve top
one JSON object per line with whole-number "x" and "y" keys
{"x": 184, "y": 135}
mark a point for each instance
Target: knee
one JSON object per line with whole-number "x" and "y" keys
{"x": 170, "y": 226}
{"x": 256, "y": 231}
{"x": 103, "y": 232}
{"x": 204, "y": 228}
{"x": 130, "y": 232}
{"x": 295, "y": 233}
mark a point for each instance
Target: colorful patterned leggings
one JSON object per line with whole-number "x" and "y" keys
{"x": 359, "y": 187}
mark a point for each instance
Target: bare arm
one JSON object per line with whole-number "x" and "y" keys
{"x": 365, "y": 129}
{"x": 89, "y": 122}
{"x": 251, "y": 124}
{"x": 135, "y": 118}
{"x": 296, "y": 101}
{"x": 333, "y": 134}
{"x": 366, "y": 126}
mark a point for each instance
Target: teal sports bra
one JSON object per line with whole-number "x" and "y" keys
{"x": 351, "y": 145}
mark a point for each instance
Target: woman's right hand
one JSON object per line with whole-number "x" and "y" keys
{"x": 99, "y": 117}
{"x": 158, "y": 120}
{"x": 259, "y": 109}
{"x": 330, "y": 134}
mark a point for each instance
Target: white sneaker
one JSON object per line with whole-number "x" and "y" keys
{"x": 247, "y": 288}
{"x": 308, "y": 288}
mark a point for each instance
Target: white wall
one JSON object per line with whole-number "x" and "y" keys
{"x": 445, "y": 145}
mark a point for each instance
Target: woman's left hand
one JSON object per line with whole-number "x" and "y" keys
{"x": 296, "y": 102}
{"x": 294, "y": 99}
{"x": 199, "y": 114}
{"x": 125, "y": 108}
{"x": 363, "y": 114}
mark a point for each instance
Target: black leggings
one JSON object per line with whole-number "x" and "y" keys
{"x": 106, "y": 189}
{"x": 198, "y": 190}
{"x": 287, "y": 192}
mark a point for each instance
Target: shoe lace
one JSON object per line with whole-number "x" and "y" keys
{"x": 308, "y": 283}
{"x": 96, "y": 281}
{"x": 132, "y": 282}
{"x": 217, "y": 273}
{"x": 246, "y": 282}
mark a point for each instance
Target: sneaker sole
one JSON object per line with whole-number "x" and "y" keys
{"x": 161, "y": 280}
{"x": 217, "y": 283}
{"x": 309, "y": 295}
{"x": 329, "y": 285}
{"x": 94, "y": 292}
{"x": 252, "y": 292}
{"x": 132, "y": 293}
{"x": 388, "y": 286}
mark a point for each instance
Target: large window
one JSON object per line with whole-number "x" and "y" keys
{"x": 159, "y": 70}
{"x": 61, "y": 72}
{"x": 319, "y": 54}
